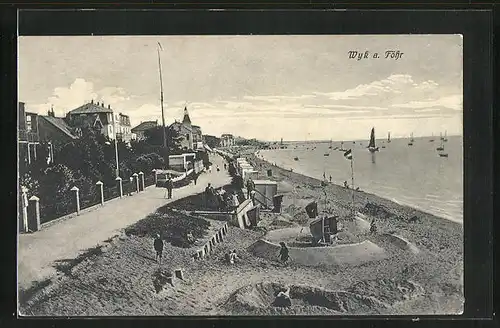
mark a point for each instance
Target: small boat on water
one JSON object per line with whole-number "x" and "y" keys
{"x": 411, "y": 140}
{"x": 442, "y": 153}
{"x": 342, "y": 146}
{"x": 295, "y": 158}
{"x": 441, "y": 146}
{"x": 371, "y": 146}
{"x": 330, "y": 147}
{"x": 326, "y": 154}
{"x": 432, "y": 138}
{"x": 388, "y": 137}
{"x": 444, "y": 138}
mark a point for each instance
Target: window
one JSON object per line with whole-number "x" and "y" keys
{"x": 187, "y": 136}
{"x": 28, "y": 122}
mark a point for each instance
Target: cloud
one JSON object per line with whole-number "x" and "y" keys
{"x": 454, "y": 102}
{"x": 78, "y": 93}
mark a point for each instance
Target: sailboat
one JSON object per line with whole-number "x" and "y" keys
{"x": 445, "y": 139}
{"x": 388, "y": 137}
{"x": 342, "y": 146}
{"x": 411, "y": 140}
{"x": 432, "y": 138}
{"x": 441, "y": 146}
{"x": 330, "y": 147}
{"x": 371, "y": 146}
{"x": 442, "y": 154}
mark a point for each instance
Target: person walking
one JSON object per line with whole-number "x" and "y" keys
{"x": 158, "y": 246}
{"x": 195, "y": 179}
{"x": 284, "y": 253}
{"x": 169, "y": 185}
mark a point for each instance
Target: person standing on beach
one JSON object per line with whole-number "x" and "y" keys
{"x": 330, "y": 179}
{"x": 284, "y": 254}
{"x": 158, "y": 246}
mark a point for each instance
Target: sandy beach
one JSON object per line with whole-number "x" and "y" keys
{"x": 117, "y": 278}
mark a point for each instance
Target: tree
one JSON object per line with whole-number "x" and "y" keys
{"x": 212, "y": 141}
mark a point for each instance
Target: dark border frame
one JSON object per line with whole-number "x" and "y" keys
{"x": 475, "y": 26}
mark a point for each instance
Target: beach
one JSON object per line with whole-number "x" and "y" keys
{"x": 426, "y": 278}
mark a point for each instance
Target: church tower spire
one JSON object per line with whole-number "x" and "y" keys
{"x": 186, "y": 120}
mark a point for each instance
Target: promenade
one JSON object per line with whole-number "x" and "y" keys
{"x": 65, "y": 240}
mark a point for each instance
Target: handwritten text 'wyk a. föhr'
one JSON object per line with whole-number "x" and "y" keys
{"x": 388, "y": 54}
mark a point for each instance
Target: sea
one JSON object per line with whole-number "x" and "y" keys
{"x": 415, "y": 176}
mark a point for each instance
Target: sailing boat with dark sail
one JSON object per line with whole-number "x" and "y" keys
{"x": 388, "y": 137}
{"x": 371, "y": 146}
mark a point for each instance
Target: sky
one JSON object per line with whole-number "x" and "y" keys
{"x": 264, "y": 87}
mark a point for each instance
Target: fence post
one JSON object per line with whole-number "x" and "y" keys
{"x": 34, "y": 213}
{"x": 75, "y": 189}
{"x": 136, "y": 178}
{"x": 24, "y": 205}
{"x": 141, "y": 174}
{"x": 156, "y": 176}
{"x": 120, "y": 186}
{"x": 99, "y": 183}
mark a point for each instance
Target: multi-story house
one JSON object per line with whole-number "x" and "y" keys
{"x": 138, "y": 131}
{"x": 101, "y": 118}
{"x": 190, "y": 135}
{"x": 28, "y": 137}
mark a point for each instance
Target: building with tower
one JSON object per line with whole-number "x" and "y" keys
{"x": 190, "y": 136}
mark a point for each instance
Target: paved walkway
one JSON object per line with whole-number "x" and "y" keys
{"x": 38, "y": 252}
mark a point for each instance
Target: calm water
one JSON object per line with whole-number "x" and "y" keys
{"x": 411, "y": 175}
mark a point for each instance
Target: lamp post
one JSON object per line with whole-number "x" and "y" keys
{"x": 117, "y": 170}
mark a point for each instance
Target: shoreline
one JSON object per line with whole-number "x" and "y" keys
{"x": 371, "y": 193}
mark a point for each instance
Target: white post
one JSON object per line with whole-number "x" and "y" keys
{"x": 136, "y": 178}
{"x": 156, "y": 176}
{"x": 76, "y": 190}
{"x": 34, "y": 212}
{"x": 142, "y": 180}
{"x": 24, "y": 205}
{"x": 99, "y": 183}
{"x": 120, "y": 186}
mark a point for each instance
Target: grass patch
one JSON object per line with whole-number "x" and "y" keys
{"x": 172, "y": 226}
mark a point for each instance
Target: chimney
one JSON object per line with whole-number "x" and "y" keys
{"x": 92, "y": 101}
{"x": 109, "y": 106}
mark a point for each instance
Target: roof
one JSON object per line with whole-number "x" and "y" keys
{"x": 145, "y": 126}
{"x": 88, "y": 120}
{"x": 91, "y": 108}
{"x": 186, "y": 119}
{"x": 60, "y": 124}
{"x": 179, "y": 126}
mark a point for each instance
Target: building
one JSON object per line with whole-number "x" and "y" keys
{"x": 227, "y": 140}
{"x": 123, "y": 128}
{"x": 28, "y": 137}
{"x": 55, "y": 129}
{"x": 190, "y": 136}
{"x": 138, "y": 131}
{"x": 101, "y": 118}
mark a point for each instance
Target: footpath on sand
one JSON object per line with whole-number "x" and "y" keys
{"x": 65, "y": 240}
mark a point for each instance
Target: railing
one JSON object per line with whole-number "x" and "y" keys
{"x": 29, "y": 136}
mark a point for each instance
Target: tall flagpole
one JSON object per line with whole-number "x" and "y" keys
{"x": 165, "y": 148}
{"x": 352, "y": 181}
